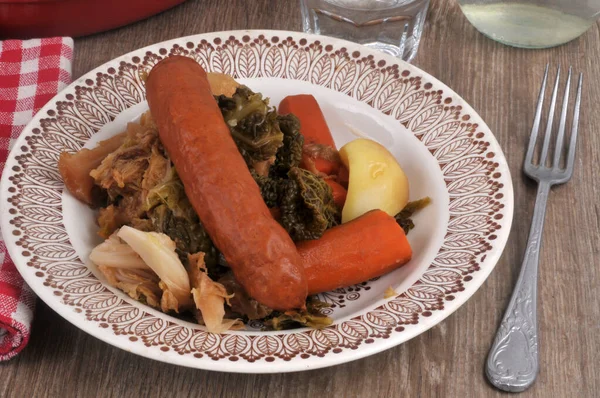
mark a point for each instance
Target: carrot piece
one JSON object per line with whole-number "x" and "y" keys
{"x": 319, "y": 165}
{"x": 364, "y": 248}
{"x": 343, "y": 176}
{"x": 312, "y": 122}
{"x": 339, "y": 192}
{"x": 315, "y": 131}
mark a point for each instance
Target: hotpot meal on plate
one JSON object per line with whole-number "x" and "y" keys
{"x": 219, "y": 207}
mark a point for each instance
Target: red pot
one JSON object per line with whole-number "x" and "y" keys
{"x": 23, "y": 19}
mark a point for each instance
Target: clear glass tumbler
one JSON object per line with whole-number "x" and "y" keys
{"x": 392, "y": 26}
{"x": 531, "y": 23}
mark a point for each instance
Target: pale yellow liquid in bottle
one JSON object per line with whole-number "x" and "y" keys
{"x": 525, "y": 25}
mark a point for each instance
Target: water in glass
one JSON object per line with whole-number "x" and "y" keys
{"x": 392, "y": 26}
{"x": 532, "y": 23}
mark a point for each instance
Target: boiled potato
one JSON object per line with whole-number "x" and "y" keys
{"x": 222, "y": 84}
{"x": 376, "y": 180}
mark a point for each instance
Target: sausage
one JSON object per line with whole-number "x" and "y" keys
{"x": 219, "y": 186}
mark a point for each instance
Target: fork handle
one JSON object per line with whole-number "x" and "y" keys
{"x": 512, "y": 364}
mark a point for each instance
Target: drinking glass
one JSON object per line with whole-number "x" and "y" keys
{"x": 392, "y": 26}
{"x": 531, "y": 23}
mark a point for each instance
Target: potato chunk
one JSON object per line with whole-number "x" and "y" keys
{"x": 376, "y": 180}
{"x": 222, "y": 84}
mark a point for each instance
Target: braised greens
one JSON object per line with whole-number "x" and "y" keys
{"x": 404, "y": 217}
{"x": 290, "y": 153}
{"x": 303, "y": 199}
{"x": 253, "y": 124}
{"x": 304, "y": 202}
{"x": 171, "y": 213}
{"x": 312, "y": 317}
{"x": 307, "y": 206}
{"x": 145, "y": 192}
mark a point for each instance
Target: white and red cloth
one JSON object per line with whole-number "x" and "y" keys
{"x": 31, "y": 73}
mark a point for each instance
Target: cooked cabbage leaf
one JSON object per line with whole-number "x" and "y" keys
{"x": 209, "y": 297}
{"x": 171, "y": 213}
{"x": 128, "y": 173}
{"x": 404, "y": 218}
{"x": 144, "y": 265}
{"x": 113, "y": 252}
{"x": 240, "y": 302}
{"x": 311, "y": 317}
{"x": 140, "y": 284}
{"x": 305, "y": 202}
{"x": 158, "y": 252}
{"x": 307, "y": 206}
{"x": 253, "y": 124}
{"x": 290, "y": 153}
{"x": 270, "y": 189}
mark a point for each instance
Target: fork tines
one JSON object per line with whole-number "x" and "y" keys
{"x": 559, "y": 174}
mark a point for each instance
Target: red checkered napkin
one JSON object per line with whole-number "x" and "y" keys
{"x": 31, "y": 73}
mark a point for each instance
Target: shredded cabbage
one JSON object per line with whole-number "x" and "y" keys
{"x": 115, "y": 253}
{"x": 158, "y": 252}
{"x": 210, "y": 297}
{"x": 139, "y": 284}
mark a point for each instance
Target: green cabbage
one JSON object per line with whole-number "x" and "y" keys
{"x": 171, "y": 213}
{"x": 290, "y": 153}
{"x": 404, "y": 218}
{"x": 307, "y": 206}
{"x": 312, "y": 317}
{"x": 304, "y": 200}
{"x": 253, "y": 124}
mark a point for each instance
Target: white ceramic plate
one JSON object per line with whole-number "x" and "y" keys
{"x": 445, "y": 148}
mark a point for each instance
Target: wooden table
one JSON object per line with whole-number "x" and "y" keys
{"x": 501, "y": 83}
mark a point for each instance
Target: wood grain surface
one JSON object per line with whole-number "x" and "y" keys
{"x": 501, "y": 83}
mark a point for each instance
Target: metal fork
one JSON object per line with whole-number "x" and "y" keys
{"x": 512, "y": 363}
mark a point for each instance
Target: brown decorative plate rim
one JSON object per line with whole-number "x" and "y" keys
{"x": 475, "y": 173}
